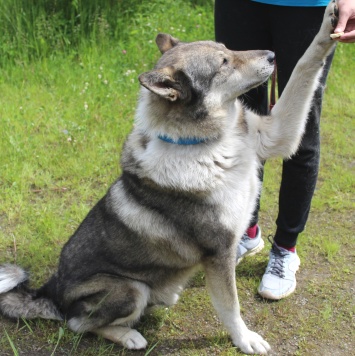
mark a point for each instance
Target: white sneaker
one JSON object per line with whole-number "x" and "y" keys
{"x": 249, "y": 246}
{"x": 279, "y": 280}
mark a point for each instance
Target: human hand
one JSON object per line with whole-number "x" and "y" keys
{"x": 346, "y": 21}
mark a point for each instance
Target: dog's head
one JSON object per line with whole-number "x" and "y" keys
{"x": 195, "y": 80}
{"x": 188, "y": 70}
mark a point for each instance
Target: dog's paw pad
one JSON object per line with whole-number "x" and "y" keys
{"x": 333, "y": 13}
{"x": 336, "y": 10}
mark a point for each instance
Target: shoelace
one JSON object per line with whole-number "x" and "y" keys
{"x": 245, "y": 237}
{"x": 277, "y": 265}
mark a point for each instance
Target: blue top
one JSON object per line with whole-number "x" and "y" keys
{"x": 307, "y": 3}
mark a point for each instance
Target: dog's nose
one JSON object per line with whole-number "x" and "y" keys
{"x": 271, "y": 57}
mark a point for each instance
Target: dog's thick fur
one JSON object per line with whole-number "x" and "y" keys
{"x": 186, "y": 195}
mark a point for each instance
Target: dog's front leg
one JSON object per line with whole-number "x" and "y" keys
{"x": 281, "y": 132}
{"x": 221, "y": 284}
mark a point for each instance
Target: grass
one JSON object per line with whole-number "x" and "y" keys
{"x": 64, "y": 114}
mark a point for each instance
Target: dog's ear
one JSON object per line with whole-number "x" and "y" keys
{"x": 165, "y": 42}
{"x": 167, "y": 82}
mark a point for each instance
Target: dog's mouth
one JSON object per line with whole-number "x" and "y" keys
{"x": 262, "y": 78}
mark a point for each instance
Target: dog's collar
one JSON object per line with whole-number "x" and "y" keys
{"x": 183, "y": 141}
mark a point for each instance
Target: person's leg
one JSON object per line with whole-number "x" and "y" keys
{"x": 293, "y": 31}
{"x": 299, "y": 175}
{"x": 244, "y": 25}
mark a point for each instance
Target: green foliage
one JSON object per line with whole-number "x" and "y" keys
{"x": 32, "y": 29}
{"x": 14, "y": 350}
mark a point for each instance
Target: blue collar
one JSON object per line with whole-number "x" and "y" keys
{"x": 183, "y": 141}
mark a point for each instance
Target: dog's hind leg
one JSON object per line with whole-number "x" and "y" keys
{"x": 124, "y": 335}
{"x": 129, "y": 338}
{"x": 107, "y": 306}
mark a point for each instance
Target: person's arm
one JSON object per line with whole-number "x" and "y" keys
{"x": 346, "y": 21}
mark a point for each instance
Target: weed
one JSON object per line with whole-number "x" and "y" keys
{"x": 60, "y": 335}
{"x": 27, "y": 325}
{"x": 14, "y": 350}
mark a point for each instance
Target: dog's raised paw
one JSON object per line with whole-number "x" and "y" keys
{"x": 333, "y": 11}
{"x": 330, "y": 21}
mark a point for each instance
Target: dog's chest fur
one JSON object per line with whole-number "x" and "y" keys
{"x": 198, "y": 191}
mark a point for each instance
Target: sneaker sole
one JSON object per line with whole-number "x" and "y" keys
{"x": 253, "y": 251}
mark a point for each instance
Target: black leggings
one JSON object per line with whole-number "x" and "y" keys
{"x": 288, "y": 31}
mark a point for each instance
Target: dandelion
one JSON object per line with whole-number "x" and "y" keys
{"x": 105, "y": 82}
{"x": 99, "y": 76}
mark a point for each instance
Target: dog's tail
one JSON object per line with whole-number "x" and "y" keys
{"x": 18, "y": 301}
